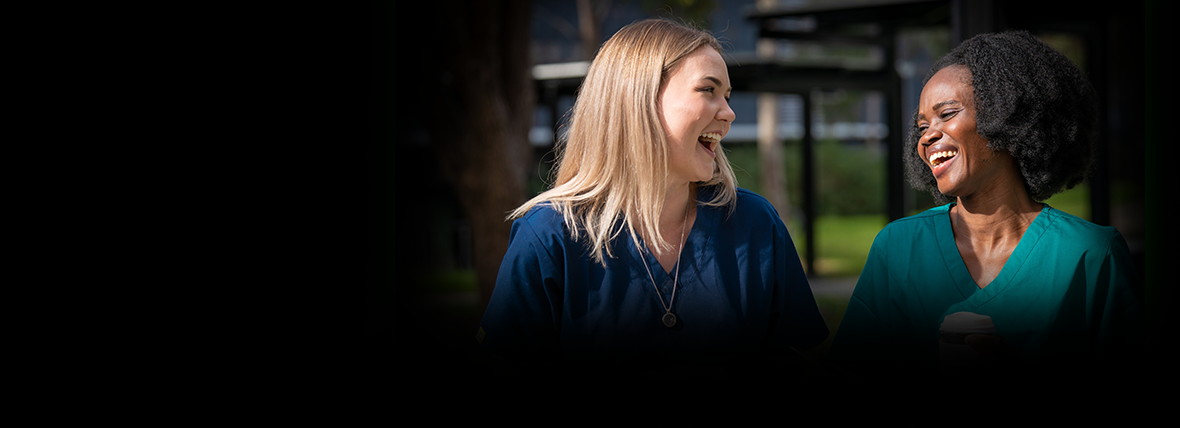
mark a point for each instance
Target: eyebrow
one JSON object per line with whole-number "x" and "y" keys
{"x": 937, "y": 106}
{"x": 718, "y": 82}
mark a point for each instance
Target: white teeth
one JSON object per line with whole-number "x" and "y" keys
{"x": 945, "y": 154}
{"x": 712, "y": 137}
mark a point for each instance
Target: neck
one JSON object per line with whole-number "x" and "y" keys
{"x": 996, "y": 218}
{"x": 675, "y": 220}
{"x": 676, "y": 202}
{"x": 998, "y": 210}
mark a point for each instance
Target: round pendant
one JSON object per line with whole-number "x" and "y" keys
{"x": 669, "y": 320}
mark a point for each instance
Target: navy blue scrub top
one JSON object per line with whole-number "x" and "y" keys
{"x": 741, "y": 289}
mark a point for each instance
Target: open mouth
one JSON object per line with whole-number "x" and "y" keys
{"x": 939, "y": 158}
{"x": 709, "y": 140}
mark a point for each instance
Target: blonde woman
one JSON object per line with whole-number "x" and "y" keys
{"x": 645, "y": 255}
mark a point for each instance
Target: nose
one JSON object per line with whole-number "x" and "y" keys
{"x": 931, "y": 135}
{"x": 726, "y": 114}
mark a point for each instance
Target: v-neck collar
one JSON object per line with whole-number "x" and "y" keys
{"x": 958, "y": 268}
{"x": 692, "y": 256}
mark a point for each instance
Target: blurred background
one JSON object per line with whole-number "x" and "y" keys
{"x": 475, "y": 93}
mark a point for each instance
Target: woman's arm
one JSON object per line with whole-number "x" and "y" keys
{"x": 800, "y": 318}
{"x": 522, "y": 322}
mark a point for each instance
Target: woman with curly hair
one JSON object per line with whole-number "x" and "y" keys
{"x": 1004, "y": 122}
{"x": 644, "y": 258}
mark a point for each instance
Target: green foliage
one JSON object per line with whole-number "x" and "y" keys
{"x": 850, "y": 178}
{"x": 744, "y": 160}
{"x": 1075, "y": 201}
{"x": 851, "y": 192}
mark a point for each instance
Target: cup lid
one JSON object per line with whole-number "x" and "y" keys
{"x": 967, "y": 323}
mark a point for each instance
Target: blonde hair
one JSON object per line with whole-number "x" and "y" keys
{"x": 613, "y": 163}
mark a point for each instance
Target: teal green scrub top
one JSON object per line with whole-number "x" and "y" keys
{"x": 1062, "y": 299}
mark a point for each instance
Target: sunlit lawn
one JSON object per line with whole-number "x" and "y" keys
{"x": 841, "y": 242}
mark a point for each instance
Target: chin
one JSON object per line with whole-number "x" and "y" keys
{"x": 705, "y": 177}
{"x": 949, "y": 193}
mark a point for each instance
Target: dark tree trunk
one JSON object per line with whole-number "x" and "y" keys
{"x": 480, "y": 132}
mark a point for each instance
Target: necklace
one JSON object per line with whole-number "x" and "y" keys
{"x": 669, "y": 319}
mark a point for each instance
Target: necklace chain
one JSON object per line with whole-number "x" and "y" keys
{"x": 669, "y": 319}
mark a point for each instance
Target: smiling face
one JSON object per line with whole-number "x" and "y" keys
{"x": 950, "y": 145}
{"x": 695, "y": 113}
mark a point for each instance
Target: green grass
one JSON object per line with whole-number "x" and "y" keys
{"x": 842, "y": 243}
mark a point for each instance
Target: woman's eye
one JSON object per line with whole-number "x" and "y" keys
{"x": 711, "y": 90}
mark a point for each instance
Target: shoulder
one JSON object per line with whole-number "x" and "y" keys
{"x": 750, "y": 219}
{"x": 926, "y": 220}
{"x": 539, "y": 236}
{"x": 750, "y": 205}
{"x": 1069, "y": 223}
{"x": 745, "y": 195}
{"x": 911, "y": 236}
{"x": 543, "y": 221}
{"x": 542, "y": 214}
{"x": 925, "y": 217}
{"x": 1069, "y": 231}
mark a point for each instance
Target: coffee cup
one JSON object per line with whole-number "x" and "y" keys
{"x": 955, "y": 356}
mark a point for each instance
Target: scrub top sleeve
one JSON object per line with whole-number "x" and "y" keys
{"x": 801, "y": 321}
{"x": 863, "y": 330}
{"x": 524, "y": 313}
{"x": 1122, "y": 321}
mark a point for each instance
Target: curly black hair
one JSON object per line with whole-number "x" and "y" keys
{"x": 1030, "y": 101}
